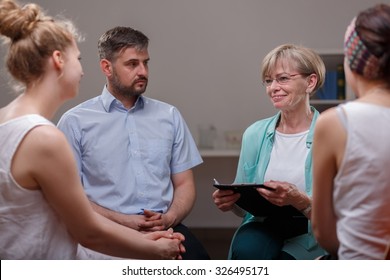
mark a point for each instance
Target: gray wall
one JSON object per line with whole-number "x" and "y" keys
{"x": 205, "y": 54}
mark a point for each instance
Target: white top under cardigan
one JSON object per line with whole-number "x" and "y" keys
{"x": 288, "y": 152}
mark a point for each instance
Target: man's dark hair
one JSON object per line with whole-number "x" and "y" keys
{"x": 119, "y": 38}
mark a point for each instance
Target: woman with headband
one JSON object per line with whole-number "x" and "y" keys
{"x": 351, "y": 150}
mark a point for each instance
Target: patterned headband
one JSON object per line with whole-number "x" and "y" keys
{"x": 359, "y": 58}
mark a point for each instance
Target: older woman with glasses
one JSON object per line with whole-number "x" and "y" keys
{"x": 276, "y": 152}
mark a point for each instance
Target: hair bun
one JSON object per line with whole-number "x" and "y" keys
{"x": 17, "y": 22}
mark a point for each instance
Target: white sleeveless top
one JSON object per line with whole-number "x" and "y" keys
{"x": 362, "y": 186}
{"x": 29, "y": 227}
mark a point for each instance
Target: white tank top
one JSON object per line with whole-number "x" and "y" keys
{"x": 288, "y": 156}
{"x": 362, "y": 186}
{"x": 29, "y": 227}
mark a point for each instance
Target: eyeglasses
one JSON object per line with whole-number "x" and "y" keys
{"x": 281, "y": 79}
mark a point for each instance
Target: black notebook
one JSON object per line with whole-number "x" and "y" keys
{"x": 252, "y": 202}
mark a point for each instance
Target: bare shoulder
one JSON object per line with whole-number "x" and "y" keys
{"x": 331, "y": 133}
{"x": 328, "y": 123}
{"x": 42, "y": 149}
{"x": 46, "y": 138}
{"x": 44, "y": 143}
{"x": 328, "y": 116}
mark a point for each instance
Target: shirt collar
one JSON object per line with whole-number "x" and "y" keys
{"x": 272, "y": 127}
{"x": 109, "y": 101}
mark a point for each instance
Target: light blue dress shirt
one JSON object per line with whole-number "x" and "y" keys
{"x": 126, "y": 156}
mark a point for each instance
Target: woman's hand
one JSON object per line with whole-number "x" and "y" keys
{"x": 169, "y": 244}
{"x": 225, "y": 199}
{"x": 284, "y": 193}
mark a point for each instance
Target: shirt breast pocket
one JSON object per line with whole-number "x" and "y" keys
{"x": 159, "y": 154}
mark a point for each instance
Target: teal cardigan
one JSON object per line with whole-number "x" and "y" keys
{"x": 255, "y": 155}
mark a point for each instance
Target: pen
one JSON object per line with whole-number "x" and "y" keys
{"x": 216, "y": 182}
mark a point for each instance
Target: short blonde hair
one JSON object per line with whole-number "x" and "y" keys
{"x": 305, "y": 60}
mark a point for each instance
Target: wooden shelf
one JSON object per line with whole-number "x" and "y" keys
{"x": 220, "y": 153}
{"x": 326, "y": 101}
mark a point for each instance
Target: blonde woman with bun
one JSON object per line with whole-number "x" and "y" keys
{"x": 44, "y": 212}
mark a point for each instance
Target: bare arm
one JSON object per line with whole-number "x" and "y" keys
{"x": 328, "y": 148}
{"x": 45, "y": 161}
{"x": 131, "y": 221}
{"x": 183, "y": 198}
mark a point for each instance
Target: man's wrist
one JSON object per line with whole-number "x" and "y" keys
{"x": 170, "y": 220}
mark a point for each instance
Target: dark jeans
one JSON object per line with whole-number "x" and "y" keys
{"x": 194, "y": 249}
{"x": 265, "y": 240}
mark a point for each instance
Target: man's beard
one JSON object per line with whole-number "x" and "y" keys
{"x": 127, "y": 91}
